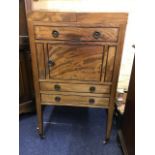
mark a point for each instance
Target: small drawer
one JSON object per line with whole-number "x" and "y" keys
{"x": 50, "y": 99}
{"x": 70, "y": 87}
{"x": 76, "y": 33}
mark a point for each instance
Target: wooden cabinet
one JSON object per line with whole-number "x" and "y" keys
{"x": 127, "y": 130}
{"x": 76, "y": 61}
{"x": 26, "y": 91}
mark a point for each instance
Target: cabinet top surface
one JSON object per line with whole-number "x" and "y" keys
{"x": 81, "y": 17}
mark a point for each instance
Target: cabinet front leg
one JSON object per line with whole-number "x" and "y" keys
{"x": 40, "y": 121}
{"x": 109, "y": 124}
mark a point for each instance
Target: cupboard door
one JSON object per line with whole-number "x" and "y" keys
{"x": 75, "y": 62}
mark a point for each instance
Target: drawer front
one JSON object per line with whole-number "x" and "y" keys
{"x": 76, "y": 33}
{"x": 82, "y": 88}
{"x": 73, "y": 100}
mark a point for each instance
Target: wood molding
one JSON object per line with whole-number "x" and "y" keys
{"x": 127, "y": 130}
{"x": 122, "y": 142}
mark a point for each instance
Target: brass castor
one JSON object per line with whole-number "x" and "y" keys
{"x": 105, "y": 141}
{"x": 42, "y": 136}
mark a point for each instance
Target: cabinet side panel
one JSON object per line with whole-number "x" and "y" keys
{"x": 117, "y": 63}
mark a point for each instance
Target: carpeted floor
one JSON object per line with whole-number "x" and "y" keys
{"x": 68, "y": 131}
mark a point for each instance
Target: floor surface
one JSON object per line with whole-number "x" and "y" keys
{"x": 68, "y": 131}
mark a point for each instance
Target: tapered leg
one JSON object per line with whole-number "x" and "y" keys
{"x": 109, "y": 124}
{"x": 40, "y": 121}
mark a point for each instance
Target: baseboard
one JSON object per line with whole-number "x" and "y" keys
{"x": 26, "y": 107}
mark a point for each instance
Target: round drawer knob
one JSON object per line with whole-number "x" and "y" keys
{"x": 55, "y": 34}
{"x": 96, "y": 35}
{"x": 57, "y": 99}
{"x": 92, "y": 89}
{"x": 57, "y": 87}
{"x": 91, "y": 101}
{"x": 51, "y": 63}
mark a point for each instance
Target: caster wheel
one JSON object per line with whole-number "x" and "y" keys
{"x": 41, "y": 135}
{"x": 105, "y": 141}
{"x": 37, "y": 129}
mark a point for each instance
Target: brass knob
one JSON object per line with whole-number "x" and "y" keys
{"x": 51, "y": 63}
{"x": 96, "y": 34}
{"x": 91, "y": 101}
{"x": 57, "y": 87}
{"x": 92, "y": 89}
{"x": 57, "y": 99}
{"x": 55, "y": 34}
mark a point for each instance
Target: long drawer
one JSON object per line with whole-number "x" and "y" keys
{"x": 76, "y": 33}
{"x": 57, "y": 99}
{"x": 70, "y": 87}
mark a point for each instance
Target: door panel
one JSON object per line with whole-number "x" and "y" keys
{"x": 40, "y": 60}
{"x": 110, "y": 63}
{"x": 75, "y": 62}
